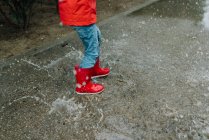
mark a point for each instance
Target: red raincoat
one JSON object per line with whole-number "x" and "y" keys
{"x": 77, "y": 12}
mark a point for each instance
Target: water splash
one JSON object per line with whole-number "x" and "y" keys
{"x": 205, "y": 20}
{"x": 67, "y": 107}
{"x": 68, "y": 55}
{"x": 33, "y": 64}
{"x": 36, "y": 66}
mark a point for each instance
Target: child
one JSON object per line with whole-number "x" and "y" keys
{"x": 81, "y": 15}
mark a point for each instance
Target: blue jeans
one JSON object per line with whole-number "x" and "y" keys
{"x": 91, "y": 38}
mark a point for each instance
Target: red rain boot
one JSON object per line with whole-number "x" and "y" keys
{"x": 98, "y": 71}
{"x": 84, "y": 84}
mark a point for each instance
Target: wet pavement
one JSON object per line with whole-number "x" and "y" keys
{"x": 189, "y": 9}
{"x": 158, "y": 87}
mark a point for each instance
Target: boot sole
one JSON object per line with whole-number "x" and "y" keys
{"x": 89, "y": 93}
{"x": 98, "y": 76}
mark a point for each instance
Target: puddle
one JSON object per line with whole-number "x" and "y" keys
{"x": 189, "y": 9}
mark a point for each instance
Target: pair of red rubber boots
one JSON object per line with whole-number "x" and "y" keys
{"x": 84, "y": 84}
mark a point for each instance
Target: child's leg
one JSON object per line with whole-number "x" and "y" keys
{"x": 83, "y": 73}
{"x": 99, "y": 71}
{"x": 99, "y": 36}
{"x": 89, "y": 37}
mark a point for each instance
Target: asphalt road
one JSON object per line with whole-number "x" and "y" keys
{"x": 158, "y": 87}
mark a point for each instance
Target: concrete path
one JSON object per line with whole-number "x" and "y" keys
{"x": 158, "y": 87}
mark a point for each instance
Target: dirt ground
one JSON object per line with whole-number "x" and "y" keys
{"x": 45, "y": 27}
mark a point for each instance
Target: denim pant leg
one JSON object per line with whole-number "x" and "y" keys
{"x": 99, "y": 36}
{"x": 89, "y": 37}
